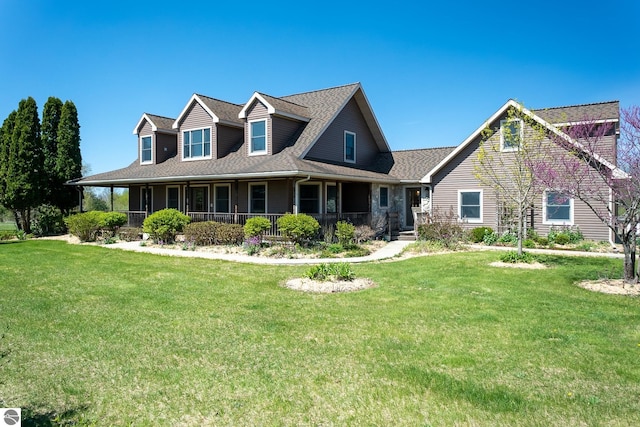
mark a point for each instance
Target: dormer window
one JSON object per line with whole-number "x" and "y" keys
{"x": 258, "y": 137}
{"x": 511, "y": 134}
{"x": 349, "y": 147}
{"x": 196, "y": 144}
{"x": 146, "y": 150}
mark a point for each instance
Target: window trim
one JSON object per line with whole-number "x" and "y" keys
{"x": 386, "y": 205}
{"x": 253, "y": 152}
{"x": 167, "y": 195}
{"x": 266, "y": 197}
{"x": 347, "y": 132}
{"x": 207, "y": 187}
{"x": 502, "y": 123}
{"x": 146, "y": 162}
{"x": 191, "y": 158}
{"x": 471, "y": 220}
{"x": 547, "y": 221}
{"x": 215, "y": 198}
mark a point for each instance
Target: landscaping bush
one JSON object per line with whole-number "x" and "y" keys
{"x": 542, "y": 241}
{"x": 201, "y": 233}
{"x": 48, "y": 221}
{"x": 478, "y": 233}
{"x": 529, "y": 243}
{"x": 564, "y": 235}
{"x": 443, "y": 228}
{"x": 163, "y": 225}
{"x": 490, "y": 238}
{"x": 508, "y": 238}
{"x": 513, "y": 257}
{"x": 111, "y": 222}
{"x": 129, "y": 234}
{"x": 7, "y": 234}
{"x": 84, "y": 225}
{"x": 322, "y": 272}
{"x": 300, "y": 228}
{"x": 256, "y": 227}
{"x": 364, "y": 233}
{"x": 561, "y": 239}
{"x": 229, "y": 234}
{"x": 345, "y": 233}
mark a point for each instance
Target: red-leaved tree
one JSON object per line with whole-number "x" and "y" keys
{"x": 582, "y": 166}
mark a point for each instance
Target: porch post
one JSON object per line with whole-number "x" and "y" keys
{"x": 186, "y": 198}
{"x": 146, "y": 199}
{"x": 80, "y": 196}
{"x": 111, "y": 198}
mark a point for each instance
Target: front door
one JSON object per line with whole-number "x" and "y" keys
{"x": 412, "y": 200}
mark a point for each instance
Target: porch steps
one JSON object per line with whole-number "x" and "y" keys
{"x": 404, "y": 235}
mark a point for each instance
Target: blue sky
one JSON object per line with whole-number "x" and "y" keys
{"x": 432, "y": 73}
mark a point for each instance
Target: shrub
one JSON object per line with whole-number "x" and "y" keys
{"x": 478, "y": 233}
{"x": 564, "y": 235}
{"x": 256, "y": 226}
{"x": 364, "y": 233}
{"x": 229, "y": 234}
{"x": 508, "y": 238}
{"x": 7, "y": 234}
{"x": 298, "y": 228}
{"x": 561, "y": 239}
{"x": 345, "y": 233}
{"x": 542, "y": 241}
{"x": 253, "y": 245}
{"x": 85, "y": 225}
{"x": 164, "y": 224}
{"x": 322, "y": 272}
{"x": 129, "y": 234}
{"x": 48, "y": 221}
{"x": 513, "y": 257}
{"x": 529, "y": 243}
{"x": 111, "y": 221}
{"x": 201, "y": 233}
{"x": 443, "y": 228}
{"x": 490, "y": 239}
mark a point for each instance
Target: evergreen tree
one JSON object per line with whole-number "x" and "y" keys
{"x": 68, "y": 159}
{"x": 26, "y": 164}
{"x": 5, "y": 143}
{"x": 50, "y": 122}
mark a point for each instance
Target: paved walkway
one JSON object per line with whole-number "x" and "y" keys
{"x": 389, "y": 250}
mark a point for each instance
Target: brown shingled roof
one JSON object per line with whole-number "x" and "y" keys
{"x": 575, "y": 113}
{"x": 161, "y": 122}
{"x": 225, "y": 111}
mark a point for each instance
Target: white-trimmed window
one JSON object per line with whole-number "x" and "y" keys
{"x": 349, "y": 147}
{"x": 199, "y": 198}
{"x": 258, "y": 137}
{"x": 557, "y": 208}
{"x": 196, "y": 144}
{"x": 173, "y": 197}
{"x": 511, "y": 134}
{"x": 309, "y": 198}
{"x": 258, "y": 197}
{"x": 222, "y": 197}
{"x": 384, "y": 197}
{"x": 470, "y": 205}
{"x": 146, "y": 149}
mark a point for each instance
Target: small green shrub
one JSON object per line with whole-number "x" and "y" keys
{"x": 300, "y": 228}
{"x": 334, "y": 248}
{"x": 129, "y": 234}
{"x": 564, "y": 235}
{"x": 7, "y": 234}
{"x": 529, "y": 243}
{"x": 561, "y": 239}
{"x": 542, "y": 241}
{"x": 85, "y": 225}
{"x": 513, "y": 257}
{"x": 110, "y": 222}
{"x": 508, "y": 238}
{"x": 256, "y": 226}
{"x": 322, "y": 272}
{"x": 490, "y": 238}
{"x": 163, "y": 225}
{"x": 444, "y": 228}
{"x": 478, "y": 233}
{"x": 345, "y": 233}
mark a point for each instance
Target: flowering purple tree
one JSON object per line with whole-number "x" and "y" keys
{"x": 578, "y": 166}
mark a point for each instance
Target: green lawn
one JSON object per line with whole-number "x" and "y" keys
{"x": 104, "y": 337}
{"x": 7, "y": 226}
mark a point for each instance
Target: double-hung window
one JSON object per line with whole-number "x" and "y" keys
{"x": 384, "y": 197}
{"x": 196, "y": 144}
{"x": 258, "y": 198}
{"x": 511, "y": 134}
{"x": 222, "y": 198}
{"x": 470, "y": 205}
{"x": 558, "y": 208}
{"x": 309, "y": 198}
{"x": 146, "y": 150}
{"x": 258, "y": 137}
{"x": 349, "y": 147}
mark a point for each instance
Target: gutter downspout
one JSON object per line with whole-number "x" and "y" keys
{"x": 296, "y": 187}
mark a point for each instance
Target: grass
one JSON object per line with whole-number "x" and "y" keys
{"x": 7, "y": 226}
{"x": 104, "y": 337}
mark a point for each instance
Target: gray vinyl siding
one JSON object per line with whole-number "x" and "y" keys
{"x": 330, "y": 146}
{"x": 197, "y": 118}
{"x": 257, "y": 112}
{"x": 284, "y": 131}
{"x": 228, "y": 138}
{"x": 166, "y": 146}
{"x": 459, "y": 174}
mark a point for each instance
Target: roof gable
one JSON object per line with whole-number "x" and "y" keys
{"x": 513, "y": 104}
{"x": 158, "y": 123}
{"x": 276, "y": 106}
{"x": 220, "y": 111}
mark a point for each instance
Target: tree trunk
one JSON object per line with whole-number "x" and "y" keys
{"x": 520, "y": 227}
{"x": 17, "y": 218}
{"x": 629, "y": 246}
